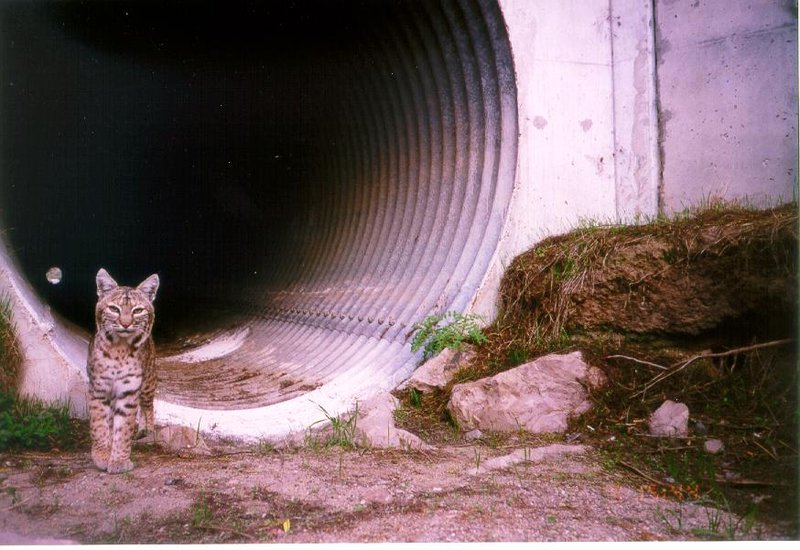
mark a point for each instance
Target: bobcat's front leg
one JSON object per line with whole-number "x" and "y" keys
{"x": 146, "y": 418}
{"x": 122, "y": 430}
{"x": 100, "y": 428}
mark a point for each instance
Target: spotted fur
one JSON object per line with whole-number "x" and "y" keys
{"x": 121, "y": 369}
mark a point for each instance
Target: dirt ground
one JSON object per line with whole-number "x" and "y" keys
{"x": 510, "y": 492}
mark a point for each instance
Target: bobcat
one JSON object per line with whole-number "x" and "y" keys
{"x": 121, "y": 369}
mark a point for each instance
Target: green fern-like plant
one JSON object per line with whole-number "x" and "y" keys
{"x": 446, "y": 330}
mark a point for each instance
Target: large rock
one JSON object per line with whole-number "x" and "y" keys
{"x": 671, "y": 419}
{"x": 375, "y": 425}
{"x": 436, "y": 372}
{"x": 540, "y": 396}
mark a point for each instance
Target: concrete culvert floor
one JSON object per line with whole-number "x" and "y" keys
{"x": 309, "y": 179}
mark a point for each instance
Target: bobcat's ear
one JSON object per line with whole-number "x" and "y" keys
{"x": 105, "y": 283}
{"x": 149, "y": 287}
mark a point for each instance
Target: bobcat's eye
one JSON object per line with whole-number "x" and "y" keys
{"x": 115, "y": 309}
{"x": 138, "y": 310}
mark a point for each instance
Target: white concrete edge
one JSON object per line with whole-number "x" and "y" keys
{"x": 635, "y": 105}
{"x": 296, "y": 416}
{"x": 52, "y": 353}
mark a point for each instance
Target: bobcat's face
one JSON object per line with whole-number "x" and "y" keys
{"x": 125, "y": 313}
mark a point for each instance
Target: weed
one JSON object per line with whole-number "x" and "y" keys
{"x": 673, "y": 518}
{"x": 10, "y": 356}
{"x": 722, "y": 524}
{"x": 415, "y": 398}
{"x": 563, "y": 270}
{"x": 517, "y": 355}
{"x": 342, "y": 434}
{"x": 201, "y": 512}
{"x": 121, "y": 526}
{"x": 13, "y": 493}
{"x": 27, "y": 423}
{"x": 446, "y": 330}
{"x": 477, "y": 456}
{"x": 265, "y": 447}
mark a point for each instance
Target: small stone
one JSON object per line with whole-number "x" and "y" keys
{"x": 377, "y": 495}
{"x": 375, "y": 426}
{"x": 181, "y": 440}
{"x": 713, "y": 446}
{"x": 700, "y": 428}
{"x": 472, "y": 435}
{"x": 671, "y": 419}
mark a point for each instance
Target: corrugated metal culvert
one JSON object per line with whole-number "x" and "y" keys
{"x": 309, "y": 179}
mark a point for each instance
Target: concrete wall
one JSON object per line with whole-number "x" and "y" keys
{"x": 727, "y": 84}
{"x": 588, "y": 148}
{"x": 632, "y": 108}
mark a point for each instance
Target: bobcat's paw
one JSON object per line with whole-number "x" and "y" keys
{"x": 100, "y": 458}
{"x": 119, "y": 466}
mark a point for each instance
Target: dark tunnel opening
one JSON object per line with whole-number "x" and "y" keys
{"x": 321, "y": 175}
{"x": 172, "y": 138}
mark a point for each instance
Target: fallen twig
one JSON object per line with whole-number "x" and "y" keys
{"x": 17, "y": 504}
{"x": 770, "y": 453}
{"x": 640, "y": 473}
{"x": 679, "y": 367}
{"x": 222, "y": 529}
{"x": 751, "y": 482}
{"x": 640, "y": 361}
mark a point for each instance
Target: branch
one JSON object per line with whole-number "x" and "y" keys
{"x": 679, "y": 367}
{"x": 640, "y": 473}
{"x": 17, "y": 504}
{"x": 640, "y": 361}
{"x": 220, "y": 528}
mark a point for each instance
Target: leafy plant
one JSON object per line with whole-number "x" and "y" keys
{"x": 29, "y": 424}
{"x": 446, "y": 330}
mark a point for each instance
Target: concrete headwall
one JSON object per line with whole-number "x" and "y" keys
{"x": 727, "y": 87}
{"x": 634, "y": 108}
